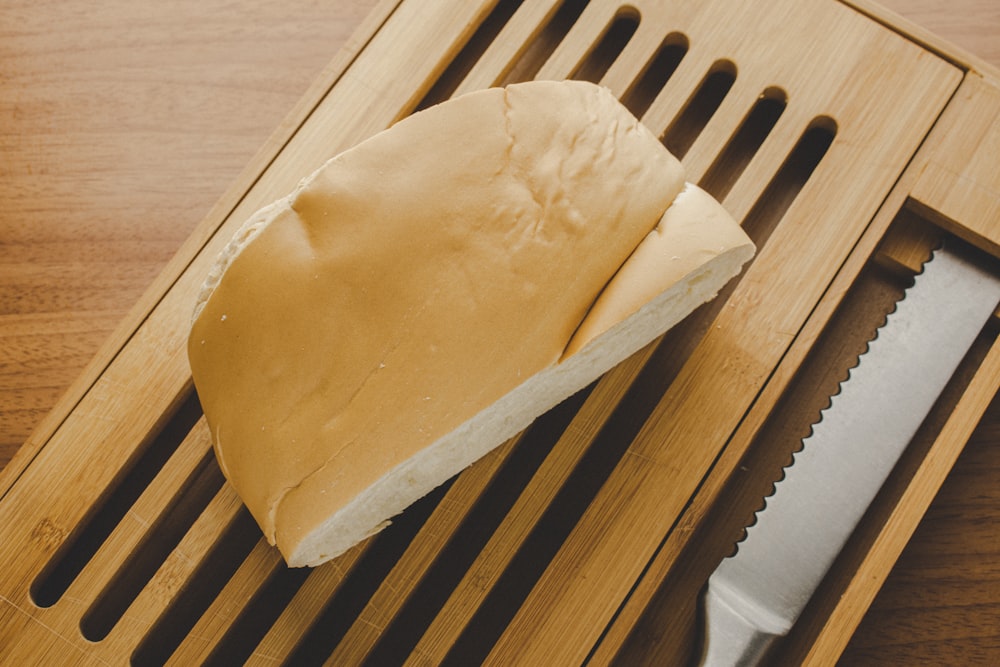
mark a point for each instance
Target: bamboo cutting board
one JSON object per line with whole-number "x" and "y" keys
{"x": 810, "y": 146}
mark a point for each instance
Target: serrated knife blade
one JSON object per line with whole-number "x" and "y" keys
{"x": 756, "y": 595}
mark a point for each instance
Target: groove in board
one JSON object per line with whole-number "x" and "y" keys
{"x": 176, "y": 572}
{"x": 395, "y": 590}
{"x": 310, "y": 600}
{"x": 136, "y": 497}
{"x": 507, "y": 540}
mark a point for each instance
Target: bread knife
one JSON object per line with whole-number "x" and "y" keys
{"x": 755, "y": 596}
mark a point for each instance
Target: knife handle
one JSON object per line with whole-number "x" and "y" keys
{"x": 729, "y": 638}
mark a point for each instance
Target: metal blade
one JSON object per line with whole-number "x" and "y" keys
{"x": 757, "y": 594}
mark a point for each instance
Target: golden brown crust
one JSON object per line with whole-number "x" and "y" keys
{"x": 405, "y": 288}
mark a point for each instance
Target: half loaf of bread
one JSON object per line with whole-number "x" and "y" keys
{"x": 427, "y": 294}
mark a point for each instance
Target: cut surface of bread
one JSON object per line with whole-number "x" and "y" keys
{"x": 424, "y": 296}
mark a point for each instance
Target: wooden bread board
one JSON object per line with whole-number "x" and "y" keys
{"x": 845, "y": 143}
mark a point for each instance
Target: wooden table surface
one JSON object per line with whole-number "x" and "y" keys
{"x": 121, "y": 123}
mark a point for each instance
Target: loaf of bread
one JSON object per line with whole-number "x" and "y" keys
{"x": 425, "y": 295}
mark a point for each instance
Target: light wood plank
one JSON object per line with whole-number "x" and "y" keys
{"x": 961, "y": 182}
{"x": 420, "y": 555}
{"x": 262, "y": 563}
{"x": 172, "y": 575}
{"x": 121, "y": 544}
{"x": 309, "y": 602}
{"x": 509, "y": 45}
{"x": 481, "y": 577}
{"x": 596, "y": 18}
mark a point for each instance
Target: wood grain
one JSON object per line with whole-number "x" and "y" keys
{"x": 941, "y": 603}
{"x": 973, "y": 25}
{"x": 124, "y": 122}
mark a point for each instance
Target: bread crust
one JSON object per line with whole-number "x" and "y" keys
{"x": 422, "y": 297}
